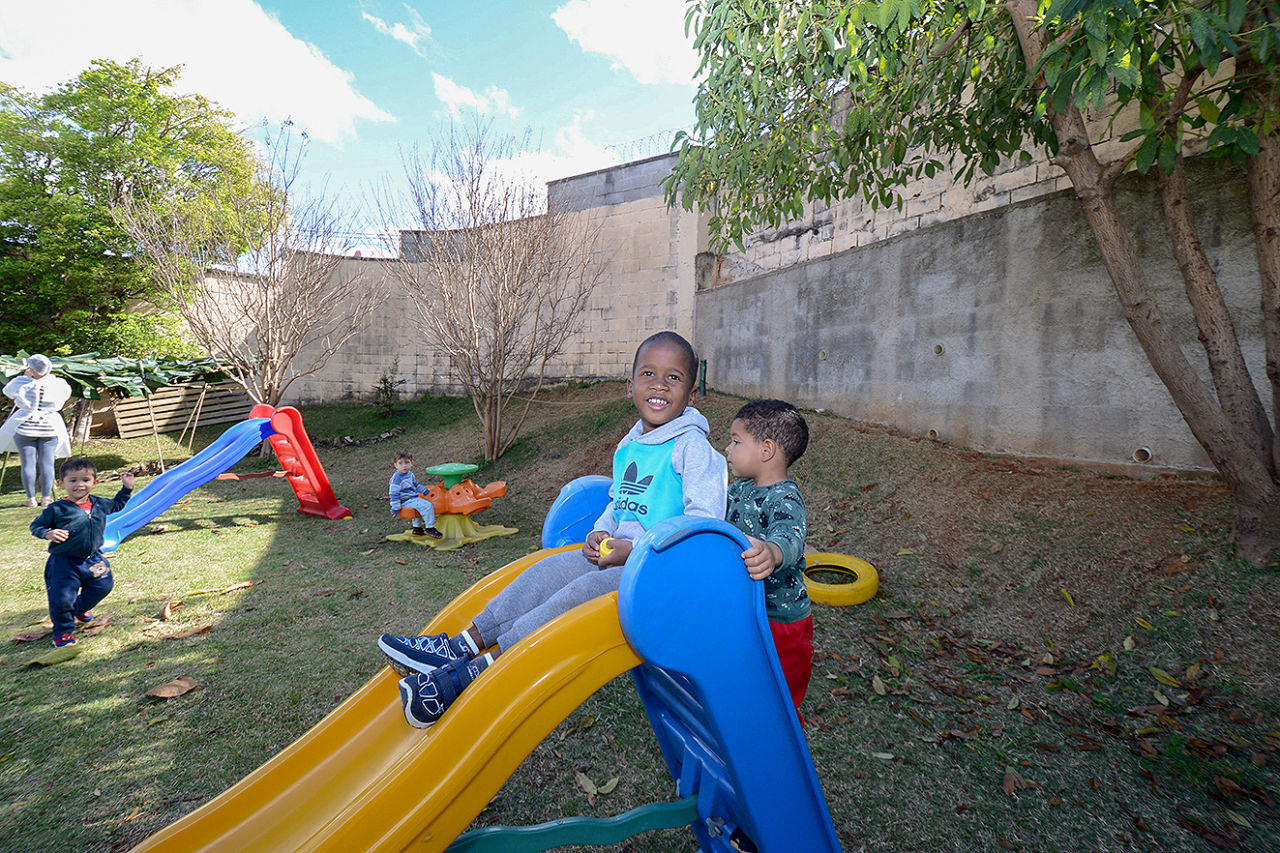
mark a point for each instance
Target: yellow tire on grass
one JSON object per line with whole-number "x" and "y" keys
{"x": 862, "y": 588}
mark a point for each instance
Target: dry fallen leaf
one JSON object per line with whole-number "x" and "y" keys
{"x": 607, "y": 787}
{"x": 878, "y": 686}
{"x": 166, "y": 612}
{"x": 1067, "y": 596}
{"x": 402, "y": 561}
{"x": 585, "y": 783}
{"x": 232, "y": 588}
{"x": 1144, "y": 623}
{"x": 1130, "y": 643}
{"x": 903, "y": 552}
{"x": 172, "y": 689}
{"x": 95, "y": 627}
{"x": 1012, "y": 781}
{"x": 1163, "y": 677}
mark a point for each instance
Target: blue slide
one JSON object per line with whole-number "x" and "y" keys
{"x": 170, "y": 487}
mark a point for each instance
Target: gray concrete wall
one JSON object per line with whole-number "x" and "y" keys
{"x": 999, "y": 331}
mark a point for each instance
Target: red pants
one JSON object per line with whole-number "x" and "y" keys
{"x": 794, "y": 642}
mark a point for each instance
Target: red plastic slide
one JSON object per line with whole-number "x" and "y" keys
{"x": 301, "y": 466}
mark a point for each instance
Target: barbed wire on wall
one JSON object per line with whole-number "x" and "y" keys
{"x": 645, "y": 147}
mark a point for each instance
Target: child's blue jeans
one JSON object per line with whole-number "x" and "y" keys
{"x": 75, "y": 585}
{"x": 424, "y": 508}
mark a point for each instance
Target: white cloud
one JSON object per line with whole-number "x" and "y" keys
{"x": 458, "y": 99}
{"x": 412, "y": 34}
{"x": 646, "y": 37}
{"x": 233, "y": 52}
{"x": 571, "y": 153}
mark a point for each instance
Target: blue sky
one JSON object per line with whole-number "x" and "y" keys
{"x": 595, "y": 81}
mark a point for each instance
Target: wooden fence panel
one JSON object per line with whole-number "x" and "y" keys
{"x": 173, "y": 406}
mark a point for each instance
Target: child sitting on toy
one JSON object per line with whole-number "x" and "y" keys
{"x": 76, "y": 575}
{"x": 765, "y": 438}
{"x": 406, "y": 491}
{"x": 662, "y": 468}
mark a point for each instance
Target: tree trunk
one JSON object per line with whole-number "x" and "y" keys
{"x": 1237, "y": 395}
{"x": 1232, "y": 437}
{"x": 1263, "y": 170}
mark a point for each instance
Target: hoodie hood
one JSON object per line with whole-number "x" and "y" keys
{"x": 690, "y": 420}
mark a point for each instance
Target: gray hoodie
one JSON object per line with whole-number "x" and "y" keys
{"x": 703, "y": 471}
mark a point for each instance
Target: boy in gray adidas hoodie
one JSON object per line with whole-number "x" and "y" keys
{"x": 662, "y": 468}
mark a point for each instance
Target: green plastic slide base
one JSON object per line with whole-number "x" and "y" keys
{"x": 577, "y": 830}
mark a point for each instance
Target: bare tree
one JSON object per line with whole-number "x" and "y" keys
{"x": 258, "y": 273}
{"x": 499, "y": 273}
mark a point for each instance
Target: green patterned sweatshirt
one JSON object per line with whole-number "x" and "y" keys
{"x": 775, "y": 514}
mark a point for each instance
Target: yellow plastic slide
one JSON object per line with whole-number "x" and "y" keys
{"x": 363, "y": 779}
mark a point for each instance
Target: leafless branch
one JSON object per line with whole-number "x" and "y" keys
{"x": 499, "y": 279}
{"x": 258, "y": 273}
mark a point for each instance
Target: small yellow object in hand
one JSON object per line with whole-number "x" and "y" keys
{"x": 605, "y": 547}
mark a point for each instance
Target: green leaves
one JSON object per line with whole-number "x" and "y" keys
{"x": 130, "y": 377}
{"x": 115, "y": 134}
{"x": 946, "y": 80}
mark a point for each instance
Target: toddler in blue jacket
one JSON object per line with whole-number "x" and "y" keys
{"x": 404, "y": 490}
{"x": 76, "y": 575}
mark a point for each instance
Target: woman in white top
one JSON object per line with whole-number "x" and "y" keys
{"x": 36, "y": 429}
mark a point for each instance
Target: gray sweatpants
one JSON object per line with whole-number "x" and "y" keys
{"x": 545, "y": 590}
{"x": 35, "y": 462}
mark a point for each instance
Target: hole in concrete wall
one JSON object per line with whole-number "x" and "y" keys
{"x": 1142, "y": 454}
{"x": 938, "y": 349}
{"x": 822, "y": 355}
{"x": 933, "y": 434}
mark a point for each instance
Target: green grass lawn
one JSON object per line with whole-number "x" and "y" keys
{"x": 998, "y": 694}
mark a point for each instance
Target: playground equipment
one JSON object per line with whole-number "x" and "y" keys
{"x": 863, "y": 583}
{"x": 364, "y": 780}
{"x": 454, "y": 501}
{"x": 282, "y": 427}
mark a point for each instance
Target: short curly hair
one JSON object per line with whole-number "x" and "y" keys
{"x": 672, "y": 339}
{"x": 777, "y": 421}
{"x": 77, "y": 463}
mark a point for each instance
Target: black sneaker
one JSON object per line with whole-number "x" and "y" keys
{"x": 426, "y": 697}
{"x": 431, "y": 533}
{"x": 409, "y": 655}
{"x": 419, "y": 531}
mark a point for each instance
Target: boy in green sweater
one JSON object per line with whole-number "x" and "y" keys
{"x": 765, "y": 438}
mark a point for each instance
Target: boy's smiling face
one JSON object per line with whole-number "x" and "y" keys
{"x": 661, "y": 384}
{"x": 78, "y": 484}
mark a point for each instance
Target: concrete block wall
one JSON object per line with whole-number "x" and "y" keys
{"x": 826, "y": 230}
{"x": 647, "y": 252}
{"x": 999, "y": 330}
{"x": 983, "y": 314}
